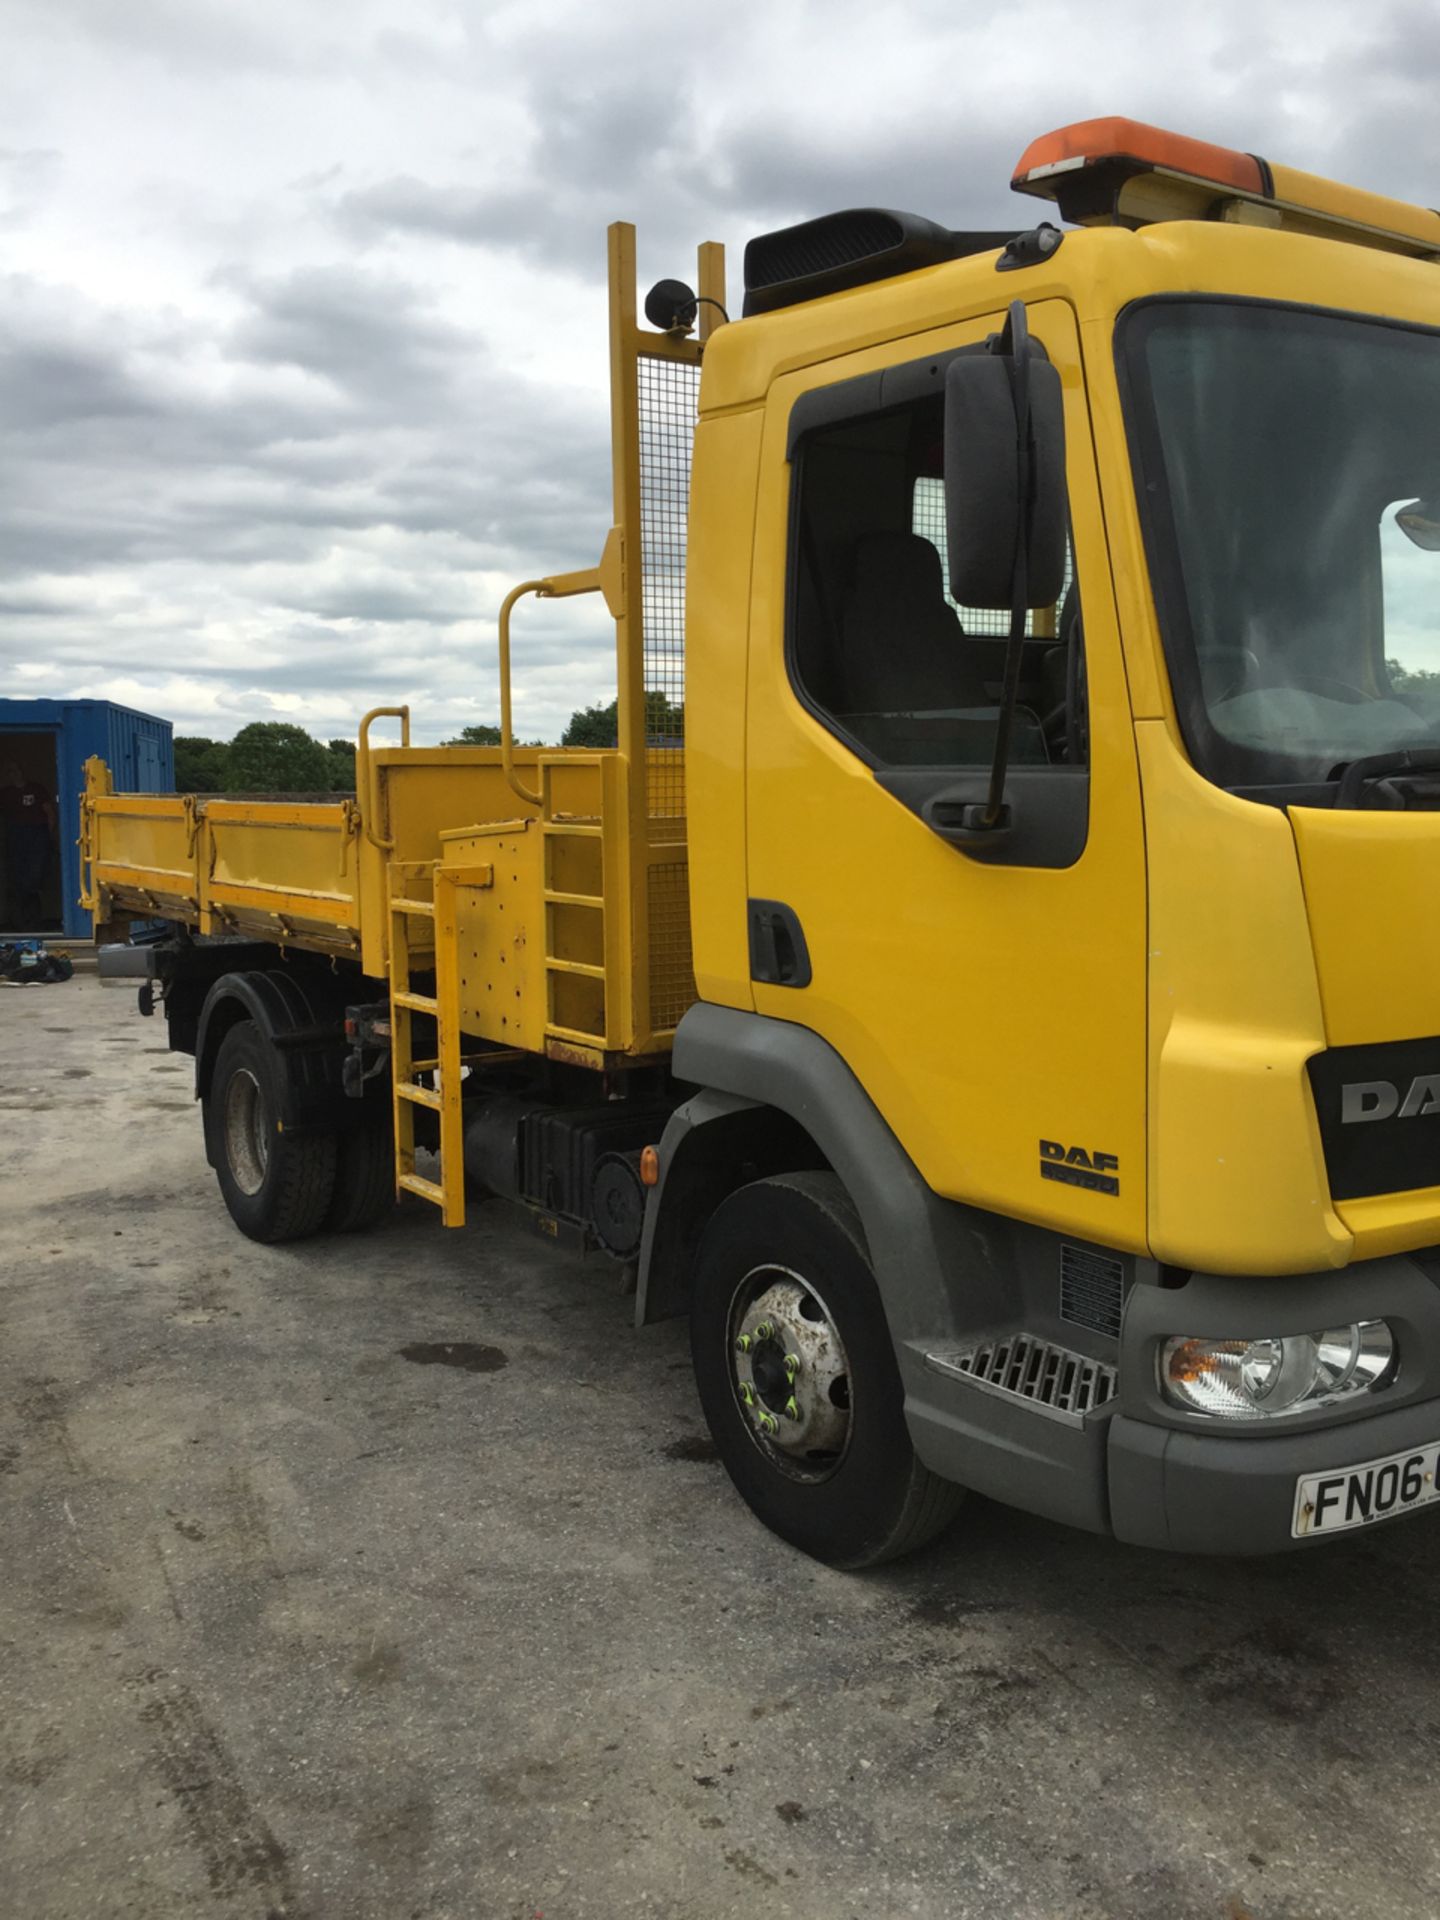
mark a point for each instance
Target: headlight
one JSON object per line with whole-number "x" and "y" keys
{"x": 1257, "y": 1379}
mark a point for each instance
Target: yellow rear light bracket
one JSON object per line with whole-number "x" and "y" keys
{"x": 1116, "y": 172}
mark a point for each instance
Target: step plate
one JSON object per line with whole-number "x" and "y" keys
{"x": 1051, "y": 1380}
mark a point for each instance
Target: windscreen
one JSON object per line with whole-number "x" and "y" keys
{"x": 1289, "y": 474}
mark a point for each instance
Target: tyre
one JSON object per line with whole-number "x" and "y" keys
{"x": 276, "y": 1185}
{"x": 798, "y": 1379}
{"x": 364, "y": 1189}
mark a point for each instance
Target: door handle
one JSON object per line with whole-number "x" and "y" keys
{"x": 959, "y": 817}
{"x": 779, "y": 956}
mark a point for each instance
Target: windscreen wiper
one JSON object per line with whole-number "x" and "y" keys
{"x": 1356, "y": 774}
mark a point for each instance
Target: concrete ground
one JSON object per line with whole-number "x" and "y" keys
{"x": 393, "y": 1577}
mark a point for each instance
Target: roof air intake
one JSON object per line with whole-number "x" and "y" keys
{"x": 842, "y": 250}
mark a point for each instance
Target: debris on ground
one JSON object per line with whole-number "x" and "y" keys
{"x": 29, "y": 963}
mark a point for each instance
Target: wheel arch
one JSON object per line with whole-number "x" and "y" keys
{"x": 310, "y": 1036}
{"x": 755, "y": 1071}
{"x": 713, "y": 1144}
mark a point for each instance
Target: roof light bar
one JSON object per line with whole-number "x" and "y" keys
{"x": 1130, "y": 147}
{"x": 1124, "y": 173}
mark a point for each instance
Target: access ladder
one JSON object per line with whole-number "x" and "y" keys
{"x": 427, "y": 890}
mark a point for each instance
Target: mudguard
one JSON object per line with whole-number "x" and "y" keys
{"x": 311, "y": 1038}
{"x": 753, "y": 1068}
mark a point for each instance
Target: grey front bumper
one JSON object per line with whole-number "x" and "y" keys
{"x": 1155, "y": 1475}
{"x": 1205, "y": 1487}
{"x": 1203, "y": 1493}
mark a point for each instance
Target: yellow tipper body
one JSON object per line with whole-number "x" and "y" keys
{"x": 519, "y": 900}
{"x": 1155, "y": 1001}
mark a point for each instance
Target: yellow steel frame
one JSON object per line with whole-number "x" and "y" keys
{"x": 629, "y": 856}
{"x": 629, "y": 343}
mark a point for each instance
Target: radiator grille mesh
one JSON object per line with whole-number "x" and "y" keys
{"x": 1092, "y": 1290}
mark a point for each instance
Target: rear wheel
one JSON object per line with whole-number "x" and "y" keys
{"x": 277, "y": 1185}
{"x": 364, "y": 1174}
{"x": 798, "y": 1380}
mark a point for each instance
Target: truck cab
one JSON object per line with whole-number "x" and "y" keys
{"x": 1160, "y": 1054}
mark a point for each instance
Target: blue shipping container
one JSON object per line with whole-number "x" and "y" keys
{"x": 50, "y": 741}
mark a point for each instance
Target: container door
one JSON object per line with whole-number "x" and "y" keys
{"x": 30, "y": 836}
{"x": 147, "y": 770}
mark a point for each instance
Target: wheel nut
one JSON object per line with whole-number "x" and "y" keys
{"x": 747, "y": 1393}
{"x": 764, "y": 1330}
{"x": 792, "y": 1409}
{"x": 792, "y": 1365}
{"x": 744, "y": 1343}
{"x": 768, "y": 1423}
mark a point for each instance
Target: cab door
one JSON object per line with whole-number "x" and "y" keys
{"x": 991, "y": 1001}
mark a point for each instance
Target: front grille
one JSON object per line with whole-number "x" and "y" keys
{"x": 1386, "y": 1086}
{"x": 1052, "y": 1380}
{"x": 1092, "y": 1290}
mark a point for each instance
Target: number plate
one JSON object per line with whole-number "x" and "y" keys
{"x": 1374, "y": 1490}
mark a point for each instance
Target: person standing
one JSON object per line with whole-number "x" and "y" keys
{"x": 27, "y": 813}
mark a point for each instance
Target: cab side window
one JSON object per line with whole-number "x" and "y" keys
{"x": 878, "y": 650}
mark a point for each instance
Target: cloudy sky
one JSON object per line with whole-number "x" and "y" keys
{"x": 302, "y": 327}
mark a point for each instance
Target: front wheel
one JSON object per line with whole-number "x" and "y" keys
{"x": 797, "y": 1376}
{"x": 277, "y": 1185}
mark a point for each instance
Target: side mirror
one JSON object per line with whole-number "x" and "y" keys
{"x": 1420, "y": 522}
{"x": 983, "y": 448}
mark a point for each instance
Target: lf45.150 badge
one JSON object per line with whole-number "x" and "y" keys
{"x": 1080, "y": 1167}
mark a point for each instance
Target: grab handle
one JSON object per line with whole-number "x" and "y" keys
{"x": 367, "y": 782}
{"x": 507, "y": 742}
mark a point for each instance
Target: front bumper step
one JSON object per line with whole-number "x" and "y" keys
{"x": 1052, "y": 1380}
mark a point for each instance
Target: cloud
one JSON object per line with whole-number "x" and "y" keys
{"x": 28, "y": 175}
{"x": 302, "y": 351}
{"x": 305, "y": 501}
{"x": 591, "y": 150}
{"x": 211, "y": 36}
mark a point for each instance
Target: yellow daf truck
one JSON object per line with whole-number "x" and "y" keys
{"x": 992, "y": 985}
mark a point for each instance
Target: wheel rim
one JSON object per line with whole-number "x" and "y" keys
{"x": 247, "y": 1137}
{"x": 790, "y": 1373}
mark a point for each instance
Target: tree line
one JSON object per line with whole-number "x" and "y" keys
{"x": 275, "y": 756}
{"x": 268, "y": 756}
